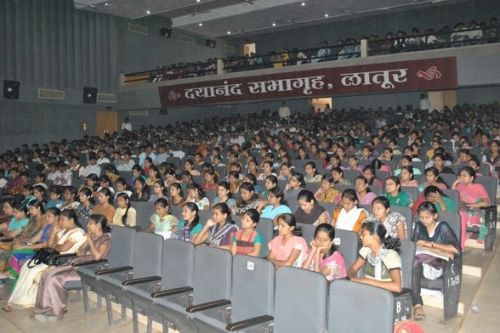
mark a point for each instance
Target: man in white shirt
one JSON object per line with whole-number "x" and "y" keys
{"x": 126, "y": 163}
{"x": 126, "y": 125}
{"x": 92, "y": 167}
{"x": 424, "y": 103}
{"x": 284, "y": 111}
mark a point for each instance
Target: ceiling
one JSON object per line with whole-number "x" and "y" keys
{"x": 216, "y": 18}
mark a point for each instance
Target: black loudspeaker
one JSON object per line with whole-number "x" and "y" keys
{"x": 89, "y": 95}
{"x": 211, "y": 43}
{"x": 11, "y": 89}
{"x": 165, "y": 32}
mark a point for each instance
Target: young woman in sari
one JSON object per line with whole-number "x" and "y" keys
{"x": 51, "y": 299}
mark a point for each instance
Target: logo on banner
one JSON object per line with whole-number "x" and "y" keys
{"x": 432, "y": 73}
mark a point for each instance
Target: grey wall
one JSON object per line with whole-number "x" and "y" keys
{"x": 50, "y": 44}
{"x": 29, "y": 122}
{"x": 144, "y": 52}
{"x": 436, "y": 16}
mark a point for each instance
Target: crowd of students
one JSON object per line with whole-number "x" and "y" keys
{"x": 248, "y": 167}
{"x": 462, "y": 34}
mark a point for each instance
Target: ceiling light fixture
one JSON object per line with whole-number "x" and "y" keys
{"x": 274, "y": 24}
{"x": 148, "y": 12}
{"x": 106, "y": 4}
{"x": 200, "y": 24}
{"x": 303, "y": 4}
{"x": 326, "y": 15}
{"x": 229, "y": 32}
{"x": 198, "y": 1}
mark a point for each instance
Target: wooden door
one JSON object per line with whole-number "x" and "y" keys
{"x": 107, "y": 122}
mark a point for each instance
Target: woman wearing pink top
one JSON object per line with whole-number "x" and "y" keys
{"x": 324, "y": 257}
{"x": 286, "y": 249}
{"x": 365, "y": 196}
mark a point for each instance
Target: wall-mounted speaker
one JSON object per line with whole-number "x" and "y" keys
{"x": 89, "y": 95}
{"x": 11, "y": 89}
{"x": 211, "y": 43}
{"x": 165, "y": 32}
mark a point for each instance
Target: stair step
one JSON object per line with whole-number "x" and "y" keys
{"x": 476, "y": 261}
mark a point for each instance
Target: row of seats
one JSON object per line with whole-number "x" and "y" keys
{"x": 205, "y": 289}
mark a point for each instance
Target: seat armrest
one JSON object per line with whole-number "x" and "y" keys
{"x": 106, "y": 271}
{"x": 145, "y": 279}
{"x": 242, "y": 324}
{"x": 90, "y": 262}
{"x": 65, "y": 256}
{"x": 402, "y": 292}
{"x": 208, "y": 305}
{"x": 170, "y": 292}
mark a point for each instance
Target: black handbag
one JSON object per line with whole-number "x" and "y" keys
{"x": 47, "y": 256}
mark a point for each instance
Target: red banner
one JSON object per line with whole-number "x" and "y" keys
{"x": 426, "y": 74}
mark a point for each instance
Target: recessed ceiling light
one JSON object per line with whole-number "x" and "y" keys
{"x": 274, "y": 24}
{"x": 303, "y": 4}
{"x": 148, "y": 12}
{"x": 326, "y": 15}
{"x": 200, "y": 24}
{"x": 198, "y": 0}
{"x": 106, "y": 4}
{"x": 229, "y": 32}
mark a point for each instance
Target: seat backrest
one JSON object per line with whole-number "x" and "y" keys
{"x": 411, "y": 190}
{"x": 143, "y": 210}
{"x": 453, "y": 195}
{"x": 454, "y": 221}
{"x": 122, "y": 246}
{"x": 490, "y": 183}
{"x": 253, "y": 288}
{"x": 313, "y": 187}
{"x": 342, "y": 187}
{"x": 350, "y": 175}
{"x": 374, "y": 308}
{"x": 147, "y": 255}
{"x": 291, "y": 195}
{"x": 382, "y": 175}
{"x": 347, "y": 242}
{"x": 300, "y": 301}
{"x": 204, "y": 215}
{"x": 448, "y": 178}
{"x": 407, "y": 254}
{"x": 212, "y": 274}
{"x": 307, "y": 231}
{"x": 265, "y": 228}
{"x": 177, "y": 212}
{"x": 211, "y": 194}
{"x": 330, "y": 207}
{"x": 178, "y": 264}
{"x": 408, "y": 215}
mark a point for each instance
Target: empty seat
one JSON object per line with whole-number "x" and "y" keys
{"x": 373, "y": 308}
{"x": 350, "y": 175}
{"x": 300, "y": 301}
{"x": 402, "y": 300}
{"x": 144, "y": 210}
{"x": 252, "y": 298}
{"x": 408, "y": 215}
{"x": 412, "y": 191}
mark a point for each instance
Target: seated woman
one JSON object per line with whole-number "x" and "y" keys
{"x": 248, "y": 199}
{"x": 176, "y": 195}
{"x": 224, "y": 195}
{"x": 162, "y": 222}
{"x": 432, "y": 178}
{"x": 473, "y": 196}
{"x": 348, "y": 216}
{"x": 234, "y": 181}
{"x": 159, "y": 191}
{"x": 153, "y": 175}
{"x": 267, "y": 170}
{"x": 296, "y": 182}
{"x": 312, "y": 175}
{"x": 70, "y": 198}
{"x": 190, "y": 225}
{"x": 104, "y": 205}
{"x": 211, "y": 178}
{"x": 394, "y": 194}
{"x": 51, "y": 299}
{"x": 309, "y": 211}
{"x": 17, "y": 224}
{"x": 406, "y": 177}
{"x": 394, "y": 222}
{"x": 378, "y": 259}
{"x": 324, "y": 256}
{"x": 406, "y": 160}
{"x": 438, "y": 198}
{"x": 369, "y": 174}
{"x": 84, "y": 211}
{"x": 338, "y": 177}
{"x": 66, "y": 237}
{"x": 197, "y": 195}
{"x": 431, "y": 235}
{"x": 141, "y": 190}
{"x": 327, "y": 191}
{"x": 7, "y": 214}
{"x": 287, "y": 249}
{"x": 219, "y": 230}
{"x": 365, "y": 195}
{"x": 274, "y": 206}
{"x": 25, "y": 245}
{"x": 247, "y": 240}
{"x": 125, "y": 214}
{"x": 270, "y": 182}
